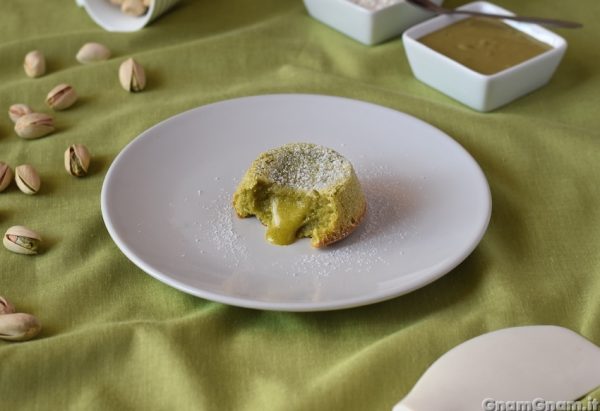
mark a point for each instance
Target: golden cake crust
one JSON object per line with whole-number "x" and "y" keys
{"x": 341, "y": 234}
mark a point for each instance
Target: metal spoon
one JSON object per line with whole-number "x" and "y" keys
{"x": 429, "y": 5}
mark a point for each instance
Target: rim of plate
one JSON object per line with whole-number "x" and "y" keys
{"x": 425, "y": 277}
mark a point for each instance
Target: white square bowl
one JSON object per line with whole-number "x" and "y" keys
{"x": 480, "y": 91}
{"x": 367, "y": 26}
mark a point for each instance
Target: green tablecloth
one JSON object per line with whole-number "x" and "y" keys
{"x": 114, "y": 338}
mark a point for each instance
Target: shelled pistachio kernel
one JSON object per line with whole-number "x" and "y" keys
{"x": 16, "y": 111}
{"x": 134, "y": 8}
{"x": 34, "y": 64}
{"x": 5, "y": 306}
{"x": 27, "y": 179}
{"x": 77, "y": 160}
{"x": 92, "y": 52}
{"x": 19, "y": 327}
{"x": 132, "y": 75}
{"x": 21, "y": 240}
{"x": 61, "y": 97}
{"x": 6, "y": 176}
{"x": 34, "y": 125}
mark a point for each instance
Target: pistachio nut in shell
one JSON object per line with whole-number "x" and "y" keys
{"x": 19, "y": 327}
{"x": 21, "y": 240}
{"x": 34, "y": 125}
{"x": 34, "y": 64}
{"x": 6, "y": 176}
{"x": 132, "y": 75}
{"x": 16, "y": 111}
{"x": 61, "y": 97}
{"x": 134, "y": 8}
{"x": 92, "y": 52}
{"x": 77, "y": 160}
{"x": 5, "y": 306}
{"x": 27, "y": 179}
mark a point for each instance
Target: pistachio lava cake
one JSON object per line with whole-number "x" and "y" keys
{"x": 302, "y": 190}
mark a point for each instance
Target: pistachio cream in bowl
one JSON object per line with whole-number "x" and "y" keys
{"x": 482, "y": 63}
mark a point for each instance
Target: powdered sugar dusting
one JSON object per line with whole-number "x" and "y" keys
{"x": 222, "y": 235}
{"x": 382, "y": 232}
{"x": 304, "y": 166}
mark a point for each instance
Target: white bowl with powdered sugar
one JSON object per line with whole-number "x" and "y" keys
{"x": 368, "y": 21}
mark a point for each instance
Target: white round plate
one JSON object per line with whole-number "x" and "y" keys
{"x": 166, "y": 202}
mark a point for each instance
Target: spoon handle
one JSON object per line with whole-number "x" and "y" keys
{"x": 550, "y": 22}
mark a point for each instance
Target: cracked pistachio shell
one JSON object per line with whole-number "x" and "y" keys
{"x": 34, "y": 64}
{"x": 61, "y": 97}
{"x": 77, "y": 160}
{"x": 92, "y": 52}
{"x": 5, "y": 306}
{"x": 19, "y": 327}
{"x": 132, "y": 75}
{"x": 16, "y": 111}
{"x": 21, "y": 240}
{"x": 134, "y": 8}
{"x": 6, "y": 175}
{"x": 27, "y": 179}
{"x": 34, "y": 125}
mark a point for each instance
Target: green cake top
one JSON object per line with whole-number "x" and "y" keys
{"x": 303, "y": 166}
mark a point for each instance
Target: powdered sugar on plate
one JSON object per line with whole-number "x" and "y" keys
{"x": 219, "y": 229}
{"x": 386, "y": 224}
